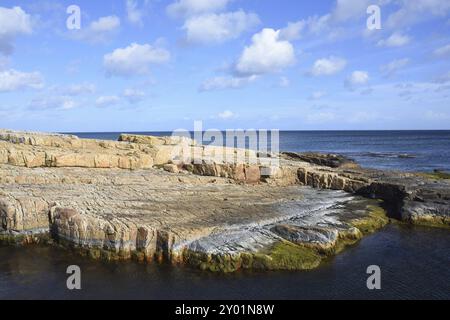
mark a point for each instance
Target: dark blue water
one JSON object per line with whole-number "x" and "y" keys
{"x": 414, "y": 264}
{"x": 395, "y": 150}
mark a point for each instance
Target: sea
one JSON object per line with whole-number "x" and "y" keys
{"x": 389, "y": 150}
{"x": 414, "y": 261}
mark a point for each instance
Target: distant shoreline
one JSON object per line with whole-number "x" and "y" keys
{"x": 159, "y": 131}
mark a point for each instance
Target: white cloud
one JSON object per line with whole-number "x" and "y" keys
{"x": 392, "y": 67}
{"x": 221, "y": 83}
{"x": 312, "y": 25}
{"x": 317, "y": 95}
{"x": 227, "y": 114}
{"x": 328, "y": 66}
{"x": 349, "y": 9}
{"x": 13, "y": 22}
{"x": 134, "y": 13}
{"x": 357, "y": 78}
{"x": 53, "y": 102}
{"x": 411, "y": 12}
{"x": 320, "y": 117}
{"x": 395, "y": 40}
{"x": 437, "y": 116}
{"x": 105, "y": 101}
{"x": 12, "y": 80}
{"x": 293, "y": 30}
{"x": 134, "y": 59}
{"x": 443, "y": 51}
{"x": 216, "y": 28}
{"x": 105, "y": 24}
{"x": 98, "y": 31}
{"x": 266, "y": 54}
{"x": 79, "y": 89}
{"x": 186, "y": 8}
{"x": 134, "y": 95}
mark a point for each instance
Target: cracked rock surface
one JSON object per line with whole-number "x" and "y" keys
{"x": 134, "y": 199}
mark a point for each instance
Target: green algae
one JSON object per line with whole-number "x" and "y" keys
{"x": 436, "y": 175}
{"x": 25, "y": 239}
{"x": 288, "y": 256}
{"x": 282, "y": 255}
{"x": 375, "y": 220}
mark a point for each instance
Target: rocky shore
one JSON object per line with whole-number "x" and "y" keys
{"x": 171, "y": 200}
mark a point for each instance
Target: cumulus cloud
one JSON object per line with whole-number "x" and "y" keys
{"x": 443, "y": 51}
{"x": 79, "y": 89}
{"x": 320, "y": 117}
{"x": 228, "y": 82}
{"x": 437, "y": 116}
{"x": 312, "y": 25}
{"x": 12, "y": 80}
{"x": 227, "y": 114}
{"x": 266, "y": 54}
{"x": 397, "y": 39}
{"x": 328, "y": 66}
{"x": 133, "y": 95}
{"x": 98, "y": 31}
{"x": 13, "y": 22}
{"x": 135, "y": 59}
{"x": 411, "y": 12}
{"x": 186, "y": 8}
{"x": 356, "y": 79}
{"x": 54, "y": 103}
{"x": 216, "y": 28}
{"x": 392, "y": 67}
{"x": 317, "y": 95}
{"x": 350, "y": 9}
{"x": 106, "y": 101}
{"x": 134, "y": 13}
{"x": 293, "y": 31}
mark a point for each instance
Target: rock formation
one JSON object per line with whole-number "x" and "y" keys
{"x": 168, "y": 199}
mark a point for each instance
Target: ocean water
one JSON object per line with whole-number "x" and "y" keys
{"x": 389, "y": 150}
{"x": 414, "y": 264}
{"x": 414, "y": 261}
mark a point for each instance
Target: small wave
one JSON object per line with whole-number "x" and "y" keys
{"x": 388, "y": 155}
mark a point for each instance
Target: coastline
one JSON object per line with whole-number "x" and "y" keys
{"x": 108, "y": 222}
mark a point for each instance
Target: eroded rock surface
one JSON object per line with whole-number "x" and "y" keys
{"x": 214, "y": 212}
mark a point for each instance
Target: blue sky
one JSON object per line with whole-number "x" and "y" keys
{"x": 149, "y": 65}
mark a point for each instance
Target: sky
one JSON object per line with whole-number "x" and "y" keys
{"x": 154, "y": 65}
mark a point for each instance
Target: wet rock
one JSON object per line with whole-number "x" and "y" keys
{"x": 323, "y": 239}
{"x": 327, "y": 160}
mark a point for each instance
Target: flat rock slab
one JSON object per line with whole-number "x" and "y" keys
{"x": 160, "y": 214}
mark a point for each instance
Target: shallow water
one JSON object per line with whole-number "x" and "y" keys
{"x": 414, "y": 263}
